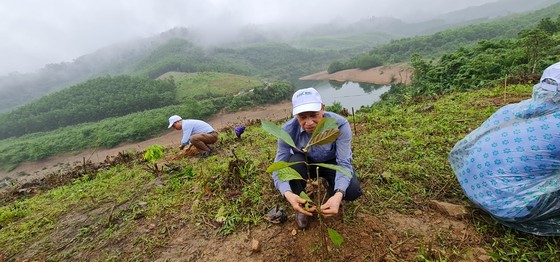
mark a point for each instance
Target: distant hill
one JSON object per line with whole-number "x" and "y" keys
{"x": 106, "y": 97}
{"x": 495, "y": 10}
{"x": 18, "y": 89}
{"x": 271, "y": 54}
{"x": 468, "y": 16}
{"x": 434, "y": 45}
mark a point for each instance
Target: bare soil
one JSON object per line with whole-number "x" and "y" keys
{"x": 399, "y": 73}
{"x": 387, "y": 237}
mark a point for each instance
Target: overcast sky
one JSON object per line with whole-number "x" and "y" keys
{"x": 37, "y": 32}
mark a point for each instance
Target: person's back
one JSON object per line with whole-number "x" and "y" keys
{"x": 510, "y": 165}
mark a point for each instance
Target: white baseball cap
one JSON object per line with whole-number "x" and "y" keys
{"x": 306, "y": 100}
{"x": 550, "y": 79}
{"x": 173, "y": 119}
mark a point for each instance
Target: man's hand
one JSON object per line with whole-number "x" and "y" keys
{"x": 330, "y": 208}
{"x": 297, "y": 203}
{"x": 181, "y": 147}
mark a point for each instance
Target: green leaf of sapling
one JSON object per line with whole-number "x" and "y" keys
{"x": 281, "y": 164}
{"x": 278, "y": 132}
{"x": 325, "y": 124}
{"x": 326, "y": 137}
{"x": 303, "y": 195}
{"x": 288, "y": 173}
{"x": 335, "y": 237}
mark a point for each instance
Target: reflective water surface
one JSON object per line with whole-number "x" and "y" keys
{"x": 349, "y": 94}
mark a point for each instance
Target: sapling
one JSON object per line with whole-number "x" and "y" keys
{"x": 325, "y": 132}
{"x": 152, "y": 155}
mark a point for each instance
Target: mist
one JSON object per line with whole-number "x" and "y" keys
{"x": 36, "y": 33}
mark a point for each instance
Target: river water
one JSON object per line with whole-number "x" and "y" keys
{"x": 348, "y": 94}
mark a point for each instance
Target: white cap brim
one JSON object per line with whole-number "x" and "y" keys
{"x": 173, "y": 119}
{"x": 311, "y": 107}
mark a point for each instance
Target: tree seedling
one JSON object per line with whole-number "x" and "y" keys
{"x": 152, "y": 155}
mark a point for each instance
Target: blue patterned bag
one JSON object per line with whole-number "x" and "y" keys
{"x": 510, "y": 165}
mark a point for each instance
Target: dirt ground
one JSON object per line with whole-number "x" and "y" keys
{"x": 389, "y": 237}
{"x": 398, "y": 73}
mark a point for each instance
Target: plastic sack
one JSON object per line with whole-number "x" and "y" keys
{"x": 510, "y": 165}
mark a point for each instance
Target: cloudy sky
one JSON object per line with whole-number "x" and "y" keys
{"x": 37, "y": 32}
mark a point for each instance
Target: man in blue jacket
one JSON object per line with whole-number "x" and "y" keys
{"x": 308, "y": 111}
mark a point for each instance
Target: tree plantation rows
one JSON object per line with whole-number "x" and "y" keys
{"x": 90, "y": 101}
{"x": 130, "y": 123}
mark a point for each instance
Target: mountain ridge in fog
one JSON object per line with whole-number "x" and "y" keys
{"x": 17, "y": 89}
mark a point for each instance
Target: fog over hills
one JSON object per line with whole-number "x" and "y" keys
{"x": 36, "y": 33}
{"x": 222, "y": 29}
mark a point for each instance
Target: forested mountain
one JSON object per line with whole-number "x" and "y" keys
{"x": 171, "y": 51}
{"x": 487, "y": 63}
{"x": 496, "y": 9}
{"x": 17, "y": 89}
{"x": 417, "y": 25}
{"x": 179, "y": 48}
{"x": 433, "y": 46}
{"x": 90, "y": 101}
{"x": 272, "y": 61}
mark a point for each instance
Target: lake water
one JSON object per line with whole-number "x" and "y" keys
{"x": 349, "y": 94}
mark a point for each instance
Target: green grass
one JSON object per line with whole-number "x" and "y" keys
{"x": 106, "y": 133}
{"x": 210, "y": 83}
{"x": 410, "y": 145}
{"x": 400, "y": 154}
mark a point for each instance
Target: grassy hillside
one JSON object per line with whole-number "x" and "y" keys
{"x": 209, "y": 84}
{"x": 106, "y": 97}
{"x": 198, "y": 95}
{"x": 128, "y": 213}
{"x": 91, "y": 101}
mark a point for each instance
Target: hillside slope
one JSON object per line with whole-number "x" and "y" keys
{"x": 213, "y": 209}
{"x": 196, "y": 95}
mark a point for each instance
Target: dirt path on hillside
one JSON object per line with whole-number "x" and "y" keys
{"x": 37, "y": 169}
